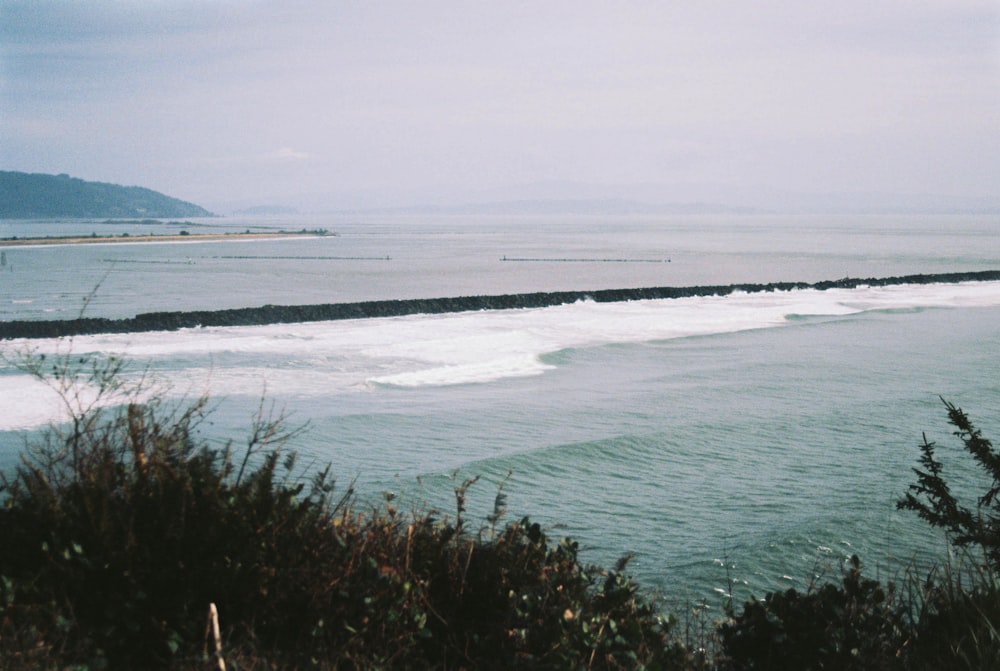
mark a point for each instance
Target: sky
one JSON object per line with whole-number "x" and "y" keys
{"x": 344, "y": 103}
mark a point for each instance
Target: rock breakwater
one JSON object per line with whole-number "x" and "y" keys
{"x": 279, "y": 314}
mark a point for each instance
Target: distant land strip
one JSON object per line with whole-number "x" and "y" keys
{"x": 152, "y": 237}
{"x": 284, "y": 314}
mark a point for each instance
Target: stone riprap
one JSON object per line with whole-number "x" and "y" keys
{"x": 283, "y": 314}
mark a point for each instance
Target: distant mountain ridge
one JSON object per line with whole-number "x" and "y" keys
{"x": 39, "y": 196}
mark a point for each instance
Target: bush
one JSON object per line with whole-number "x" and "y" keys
{"x": 932, "y": 499}
{"x": 958, "y": 610}
{"x": 857, "y": 625}
{"x": 123, "y": 526}
{"x": 959, "y": 603}
{"x": 948, "y": 619}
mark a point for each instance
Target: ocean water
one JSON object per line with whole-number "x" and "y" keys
{"x": 743, "y": 443}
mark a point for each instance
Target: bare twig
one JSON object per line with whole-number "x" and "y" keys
{"x": 212, "y": 636}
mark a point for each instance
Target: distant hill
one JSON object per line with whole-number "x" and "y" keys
{"x": 36, "y": 196}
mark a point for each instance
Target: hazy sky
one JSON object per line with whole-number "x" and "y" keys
{"x": 242, "y": 101}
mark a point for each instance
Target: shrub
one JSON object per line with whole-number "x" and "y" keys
{"x": 856, "y": 625}
{"x": 957, "y": 611}
{"x": 959, "y": 602}
{"x": 931, "y": 497}
{"x": 122, "y": 526}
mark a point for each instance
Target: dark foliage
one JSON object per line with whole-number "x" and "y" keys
{"x": 123, "y": 527}
{"x": 932, "y": 498}
{"x": 856, "y": 625}
{"x": 959, "y": 609}
{"x": 956, "y": 623}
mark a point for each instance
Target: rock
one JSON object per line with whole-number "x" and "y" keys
{"x": 284, "y": 314}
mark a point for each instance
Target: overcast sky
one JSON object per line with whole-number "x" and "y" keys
{"x": 231, "y": 101}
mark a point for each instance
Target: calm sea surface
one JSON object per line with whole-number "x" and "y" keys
{"x": 754, "y": 438}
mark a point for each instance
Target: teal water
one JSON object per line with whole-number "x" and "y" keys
{"x": 780, "y": 451}
{"x": 753, "y": 439}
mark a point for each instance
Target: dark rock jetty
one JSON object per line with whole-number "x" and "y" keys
{"x": 283, "y": 314}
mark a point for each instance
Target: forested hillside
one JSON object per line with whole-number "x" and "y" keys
{"x": 38, "y": 196}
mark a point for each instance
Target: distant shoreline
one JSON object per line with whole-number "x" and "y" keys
{"x": 152, "y": 237}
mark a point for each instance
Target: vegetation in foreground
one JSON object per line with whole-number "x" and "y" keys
{"x": 122, "y": 529}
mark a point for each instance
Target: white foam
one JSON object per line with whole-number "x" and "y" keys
{"x": 485, "y": 371}
{"x": 27, "y": 403}
{"x": 316, "y": 359}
